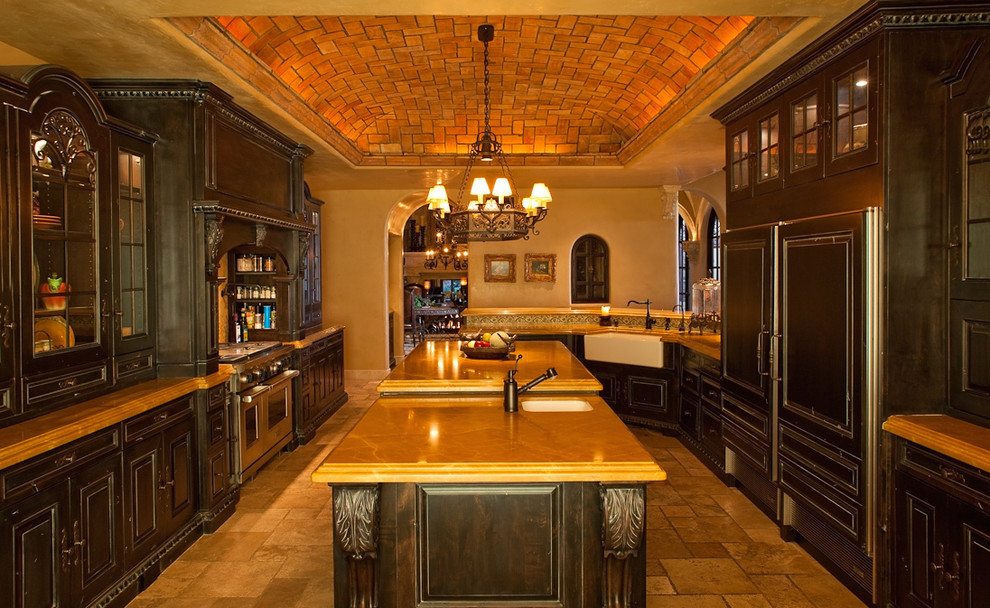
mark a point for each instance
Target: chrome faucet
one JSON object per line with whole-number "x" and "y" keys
{"x": 649, "y": 321}
{"x": 511, "y": 389}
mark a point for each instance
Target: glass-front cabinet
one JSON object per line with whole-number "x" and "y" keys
{"x": 83, "y": 319}
{"x": 131, "y": 311}
{"x": 312, "y": 285}
{"x": 969, "y": 242}
{"x": 66, "y": 310}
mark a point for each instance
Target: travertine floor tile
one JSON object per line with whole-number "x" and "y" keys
{"x": 707, "y": 545}
{"x": 698, "y": 576}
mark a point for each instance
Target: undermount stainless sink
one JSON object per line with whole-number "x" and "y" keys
{"x": 555, "y": 405}
{"x": 629, "y": 349}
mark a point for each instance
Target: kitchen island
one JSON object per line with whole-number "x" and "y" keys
{"x": 449, "y": 500}
{"x": 440, "y": 367}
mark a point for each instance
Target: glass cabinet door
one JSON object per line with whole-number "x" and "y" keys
{"x": 132, "y": 248}
{"x": 65, "y": 263}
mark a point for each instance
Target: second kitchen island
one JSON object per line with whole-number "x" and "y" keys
{"x": 448, "y": 500}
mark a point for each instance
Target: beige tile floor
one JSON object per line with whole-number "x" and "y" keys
{"x": 707, "y": 545}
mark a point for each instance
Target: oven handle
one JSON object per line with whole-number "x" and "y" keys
{"x": 255, "y": 392}
{"x": 288, "y": 374}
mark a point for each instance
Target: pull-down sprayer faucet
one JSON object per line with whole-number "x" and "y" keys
{"x": 511, "y": 389}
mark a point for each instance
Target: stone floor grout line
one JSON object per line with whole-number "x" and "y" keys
{"x": 275, "y": 551}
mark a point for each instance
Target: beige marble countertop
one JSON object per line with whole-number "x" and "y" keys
{"x": 30, "y": 438}
{"x": 708, "y": 344}
{"x": 440, "y": 367}
{"x": 964, "y": 441}
{"x": 460, "y": 439}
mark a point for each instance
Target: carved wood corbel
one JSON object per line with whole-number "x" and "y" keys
{"x": 305, "y": 238}
{"x": 260, "y": 232}
{"x": 623, "y": 525}
{"x": 355, "y": 530}
{"x": 214, "y": 236}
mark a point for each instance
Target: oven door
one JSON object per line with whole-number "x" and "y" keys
{"x": 253, "y": 408}
{"x": 278, "y": 414}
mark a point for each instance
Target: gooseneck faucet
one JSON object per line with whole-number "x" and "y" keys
{"x": 511, "y": 389}
{"x": 649, "y": 321}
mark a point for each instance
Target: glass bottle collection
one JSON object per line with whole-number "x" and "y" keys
{"x": 254, "y": 313}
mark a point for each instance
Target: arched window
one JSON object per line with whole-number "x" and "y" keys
{"x": 683, "y": 265}
{"x": 589, "y": 270}
{"x": 714, "y": 246}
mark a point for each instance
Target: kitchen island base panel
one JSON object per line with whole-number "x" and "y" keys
{"x": 569, "y": 544}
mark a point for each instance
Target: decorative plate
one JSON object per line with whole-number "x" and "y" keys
{"x": 54, "y": 329}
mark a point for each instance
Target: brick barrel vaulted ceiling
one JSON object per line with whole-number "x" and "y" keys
{"x": 408, "y": 90}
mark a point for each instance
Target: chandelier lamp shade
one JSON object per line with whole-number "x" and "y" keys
{"x": 491, "y": 213}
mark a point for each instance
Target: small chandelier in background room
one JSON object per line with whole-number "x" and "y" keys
{"x": 447, "y": 255}
{"x": 495, "y": 215}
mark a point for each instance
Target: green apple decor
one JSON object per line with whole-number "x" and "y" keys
{"x": 55, "y": 285}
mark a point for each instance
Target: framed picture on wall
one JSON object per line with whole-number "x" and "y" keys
{"x": 541, "y": 267}
{"x": 500, "y": 268}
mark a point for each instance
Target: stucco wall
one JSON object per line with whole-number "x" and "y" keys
{"x": 359, "y": 291}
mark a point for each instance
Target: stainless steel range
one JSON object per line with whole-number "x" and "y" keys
{"x": 262, "y": 408}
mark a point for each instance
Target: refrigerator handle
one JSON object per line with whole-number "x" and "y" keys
{"x": 760, "y": 367}
{"x": 774, "y": 352}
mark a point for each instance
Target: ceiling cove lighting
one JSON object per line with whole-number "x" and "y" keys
{"x": 494, "y": 214}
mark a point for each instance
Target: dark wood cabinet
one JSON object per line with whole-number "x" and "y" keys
{"x": 160, "y": 486}
{"x": 640, "y": 395}
{"x": 835, "y": 285}
{"x": 62, "y": 524}
{"x": 968, "y": 165}
{"x": 942, "y": 548}
{"x": 311, "y": 282}
{"x": 76, "y": 219}
{"x": 700, "y": 406}
{"x": 132, "y": 309}
{"x": 233, "y": 182}
{"x": 217, "y": 488}
{"x": 747, "y": 334}
{"x": 320, "y": 387}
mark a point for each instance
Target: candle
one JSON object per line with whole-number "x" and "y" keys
{"x": 605, "y": 310}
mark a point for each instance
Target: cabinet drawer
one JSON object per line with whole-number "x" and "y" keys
{"x": 809, "y": 490}
{"x": 67, "y": 385}
{"x": 32, "y": 475}
{"x": 216, "y": 398}
{"x": 835, "y": 468}
{"x": 141, "y": 426}
{"x": 216, "y": 431}
{"x": 744, "y": 415}
{"x": 754, "y": 451}
{"x": 689, "y": 417}
{"x": 133, "y": 366}
{"x": 711, "y": 391}
{"x": 711, "y": 430}
{"x": 690, "y": 380}
{"x": 948, "y": 474}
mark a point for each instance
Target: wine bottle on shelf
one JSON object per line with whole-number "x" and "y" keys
{"x": 238, "y": 338}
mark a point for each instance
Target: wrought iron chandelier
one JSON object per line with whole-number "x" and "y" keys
{"x": 447, "y": 255}
{"x": 495, "y": 215}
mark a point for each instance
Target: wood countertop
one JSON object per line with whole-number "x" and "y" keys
{"x": 460, "y": 439}
{"x": 439, "y": 367}
{"x": 30, "y": 438}
{"x": 958, "y": 439}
